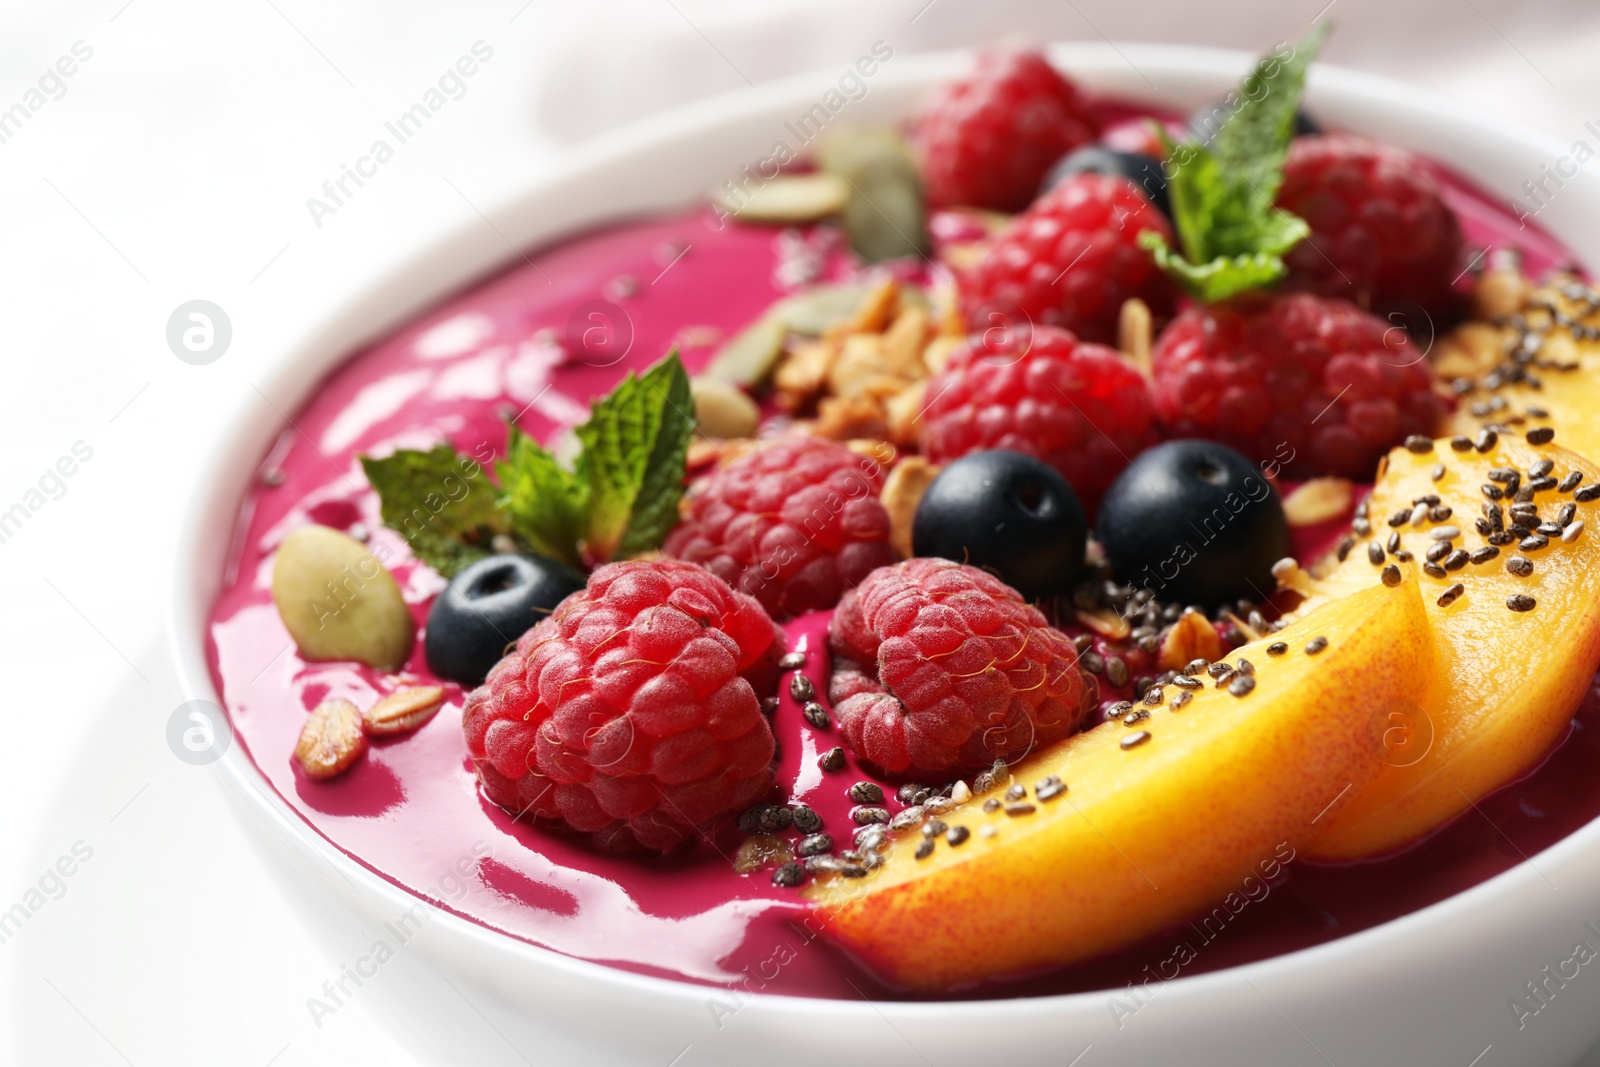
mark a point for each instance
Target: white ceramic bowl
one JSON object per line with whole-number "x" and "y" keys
{"x": 1434, "y": 987}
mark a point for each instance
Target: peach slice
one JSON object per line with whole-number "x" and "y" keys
{"x": 1158, "y": 819}
{"x": 1508, "y": 680}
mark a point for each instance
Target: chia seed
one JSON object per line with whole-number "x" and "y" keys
{"x": 1571, "y": 534}
{"x": 1451, "y": 595}
{"x": 1445, "y": 533}
{"x": 1180, "y": 700}
{"x": 814, "y": 845}
{"x": 832, "y": 760}
{"x": 1492, "y": 492}
{"x": 804, "y": 818}
{"x": 1277, "y": 648}
{"x": 867, "y": 815}
{"x": 992, "y": 804}
{"x": 957, "y": 835}
{"x": 1440, "y": 513}
{"x": 934, "y": 827}
{"x": 1184, "y": 681}
{"x": 1568, "y": 512}
{"x": 1540, "y": 435}
{"x": 1456, "y": 560}
{"x": 1540, "y": 485}
{"x": 1484, "y": 554}
{"x": 1419, "y": 445}
{"x": 1587, "y": 493}
{"x": 1543, "y": 466}
{"x": 1017, "y": 791}
{"x": 1152, "y": 697}
{"x": 1570, "y": 482}
{"x": 1194, "y": 667}
{"x": 1391, "y": 576}
{"x": 905, "y": 820}
{"x": 1242, "y": 685}
{"x": 1437, "y": 474}
{"x": 1437, "y": 551}
{"x": 925, "y": 848}
{"x": 1533, "y": 542}
{"x": 792, "y": 661}
{"x": 1050, "y": 788}
{"x": 1521, "y": 602}
{"x": 1461, "y": 444}
{"x": 1404, "y": 556}
{"x": 1117, "y": 671}
{"x": 1521, "y": 566}
{"x": 816, "y": 715}
{"x": 1134, "y": 740}
{"x": 1315, "y": 645}
{"x": 912, "y": 793}
{"x": 789, "y": 875}
{"x": 1432, "y": 570}
{"x": 1502, "y": 537}
{"x": 1485, "y": 440}
{"x": 1017, "y": 809}
{"x": 867, "y": 793}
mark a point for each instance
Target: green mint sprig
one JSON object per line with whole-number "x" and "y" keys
{"x": 1233, "y": 237}
{"x": 618, "y": 498}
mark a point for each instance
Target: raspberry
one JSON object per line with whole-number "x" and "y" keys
{"x": 941, "y": 669}
{"x": 988, "y": 140}
{"x": 1080, "y": 407}
{"x": 1381, "y": 234}
{"x": 1071, "y": 260}
{"x": 626, "y": 715}
{"x": 794, "y": 524}
{"x": 1311, "y": 385}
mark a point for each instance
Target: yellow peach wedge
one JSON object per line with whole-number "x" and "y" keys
{"x": 1517, "y": 627}
{"x": 1131, "y": 826}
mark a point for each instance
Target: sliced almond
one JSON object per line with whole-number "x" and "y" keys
{"x": 402, "y": 711}
{"x": 331, "y": 740}
{"x": 937, "y": 354}
{"x": 1133, "y": 333}
{"x": 801, "y": 376}
{"x": 1317, "y": 501}
{"x": 788, "y": 200}
{"x": 905, "y": 412}
{"x": 861, "y": 359}
{"x": 1105, "y": 623}
{"x": 1192, "y": 637}
{"x": 902, "y": 492}
{"x": 844, "y": 417}
{"x": 877, "y": 310}
{"x": 903, "y": 342}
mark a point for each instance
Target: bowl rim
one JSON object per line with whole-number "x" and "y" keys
{"x": 371, "y": 307}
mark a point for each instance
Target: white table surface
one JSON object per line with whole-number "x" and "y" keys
{"x": 176, "y": 165}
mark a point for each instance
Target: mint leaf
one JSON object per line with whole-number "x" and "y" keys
{"x": 544, "y": 503}
{"x": 634, "y": 446}
{"x": 619, "y": 498}
{"x": 1232, "y": 235}
{"x": 440, "y": 502}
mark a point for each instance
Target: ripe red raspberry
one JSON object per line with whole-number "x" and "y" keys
{"x": 1080, "y": 407}
{"x": 1381, "y": 233}
{"x": 1315, "y": 386}
{"x": 1071, "y": 260}
{"x": 626, "y": 714}
{"x": 989, "y": 139}
{"x": 794, "y": 524}
{"x": 941, "y": 669}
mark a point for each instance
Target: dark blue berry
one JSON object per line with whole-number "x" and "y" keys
{"x": 1009, "y": 514}
{"x": 1195, "y": 522}
{"x": 486, "y": 607}
{"x": 1142, "y": 170}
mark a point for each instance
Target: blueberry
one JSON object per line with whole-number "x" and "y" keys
{"x": 1195, "y": 522}
{"x": 1007, "y": 513}
{"x": 487, "y": 606}
{"x": 1142, "y": 170}
{"x": 1206, "y": 121}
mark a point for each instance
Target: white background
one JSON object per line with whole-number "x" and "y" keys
{"x": 176, "y": 166}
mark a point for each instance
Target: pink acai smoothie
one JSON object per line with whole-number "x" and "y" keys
{"x": 536, "y": 343}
